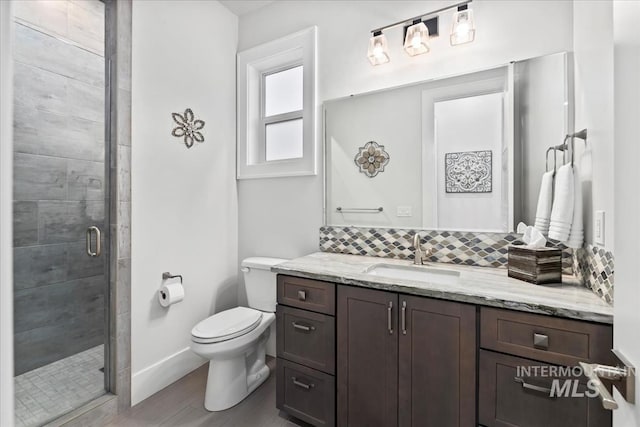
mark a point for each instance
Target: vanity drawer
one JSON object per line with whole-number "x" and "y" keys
{"x": 307, "y": 294}
{"x": 545, "y": 338}
{"x": 305, "y": 393}
{"x": 306, "y": 337}
{"x": 510, "y": 397}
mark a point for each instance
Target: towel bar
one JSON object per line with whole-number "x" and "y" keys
{"x": 359, "y": 210}
{"x": 564, "y": 147}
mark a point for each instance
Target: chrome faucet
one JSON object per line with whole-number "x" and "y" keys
{"x": 420, "y": 256}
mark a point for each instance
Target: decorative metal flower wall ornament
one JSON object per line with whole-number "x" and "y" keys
{"x": 188, "y": 128}
{"x": 371, "y": 159}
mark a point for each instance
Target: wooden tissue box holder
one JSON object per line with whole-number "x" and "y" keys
{"x": 538, "y": 266}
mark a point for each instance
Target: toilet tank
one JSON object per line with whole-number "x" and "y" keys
{"x": 260, "y": 282}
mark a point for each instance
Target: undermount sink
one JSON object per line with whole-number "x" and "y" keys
{"x": 416, "y": 273}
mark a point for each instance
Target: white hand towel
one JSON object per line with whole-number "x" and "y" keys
{"x": 563, "y": 204}
{"x": 576, "y": 235}
{"x": 545, "y": 202}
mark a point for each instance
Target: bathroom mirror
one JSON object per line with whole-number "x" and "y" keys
{"x": 425, "y": 155}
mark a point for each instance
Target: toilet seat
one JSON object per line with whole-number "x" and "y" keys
{"x": 226, "y": 325}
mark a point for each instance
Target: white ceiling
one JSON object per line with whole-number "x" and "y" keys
{"x": 242, "y": 7}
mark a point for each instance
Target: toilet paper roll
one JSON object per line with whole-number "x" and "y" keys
{"x": 171, "y": 293}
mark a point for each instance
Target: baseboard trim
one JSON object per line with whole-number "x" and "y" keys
{"x": 154, "y": 378}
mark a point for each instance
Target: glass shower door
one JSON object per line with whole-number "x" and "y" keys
{"x": 60, "y": 215}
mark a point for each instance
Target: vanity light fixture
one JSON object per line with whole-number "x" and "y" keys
{"x": 378, "y": 49}
{"x": 416, "y": 40}
{"x": 462, "y": 30}
{"x": 418, "y": 30}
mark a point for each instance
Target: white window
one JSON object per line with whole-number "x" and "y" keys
{"x": 277, "y": 108}
{"x": 283, "y": 114}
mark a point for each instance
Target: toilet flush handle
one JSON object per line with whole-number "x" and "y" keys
{"x": 244, "y": 269}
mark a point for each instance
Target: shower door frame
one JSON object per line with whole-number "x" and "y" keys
{"x": 117, "y": 219}
{"x": 118, "y": 142}
{"x": 6, "y": 214}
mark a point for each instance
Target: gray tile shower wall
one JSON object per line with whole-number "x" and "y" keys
{"x": 59, "y": 185}
{"x": 592, "y": 265}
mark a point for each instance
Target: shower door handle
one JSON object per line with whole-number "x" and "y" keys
{"x": 94, "y": 230}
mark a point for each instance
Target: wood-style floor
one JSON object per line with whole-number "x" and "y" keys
{"x": 182, "y": 404}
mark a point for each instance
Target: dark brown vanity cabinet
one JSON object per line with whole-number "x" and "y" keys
{"x": 404, "y": 360}
{"x": 305, "y": 342}
{"x": 358, "y": 357}
{"x": 515, "y": 382}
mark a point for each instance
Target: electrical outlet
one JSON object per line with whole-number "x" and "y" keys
{"x": 598, "y": 228}
{"x": 403, "y": 211}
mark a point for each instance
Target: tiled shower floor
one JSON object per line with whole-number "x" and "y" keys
{"x": 46, "y": 393}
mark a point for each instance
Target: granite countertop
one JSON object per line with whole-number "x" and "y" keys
{"x": 476, "y": 285}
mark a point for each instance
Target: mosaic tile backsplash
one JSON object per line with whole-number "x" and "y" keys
{"x": 594, "y": 266}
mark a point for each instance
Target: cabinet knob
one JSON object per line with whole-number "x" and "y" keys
{"x": 302, "y": 295}
{"x": 540, "y": 341}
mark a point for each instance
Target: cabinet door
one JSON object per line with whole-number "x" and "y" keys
{"x": 367, "y": 361}
{"x": 437, "y": 369}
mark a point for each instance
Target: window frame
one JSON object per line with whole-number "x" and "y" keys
{"x": 276, "y": 118}
{"x": 253, "y": 66}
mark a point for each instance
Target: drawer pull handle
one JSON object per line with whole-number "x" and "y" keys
{"x": 540, "y": 341}
{"x": 302, "y": 295}
{"x": 301, "y": 384}
{"x": 404, "y": 318}
{"x": 390, "y": 317}
{"x": 528, "y": 386}
{"x": 303, "y": 327}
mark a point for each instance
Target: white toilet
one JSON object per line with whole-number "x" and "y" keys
{"x": 234, "y": 340}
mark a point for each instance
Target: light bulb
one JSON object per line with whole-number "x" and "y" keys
{"x": 463, "y": 28}
{"x": 415, "y": 42}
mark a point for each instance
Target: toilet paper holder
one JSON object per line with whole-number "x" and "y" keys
{"x": 166, "y": 275}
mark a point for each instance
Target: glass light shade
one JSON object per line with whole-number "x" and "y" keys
{"x": 463, "y": 30}
{"x": 416, "y": 42}
{"x": 378, "y": 52}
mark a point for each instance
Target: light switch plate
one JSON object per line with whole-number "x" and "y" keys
{"x": 403, "y": 211}
{"x": 598, "y": 228}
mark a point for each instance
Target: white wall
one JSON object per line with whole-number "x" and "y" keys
{"x": 543, "y": 89}
{"x": 6, "y": 209}
{"x": 184, "y": 217}
{"x": 392, "y": 119}
{"x": 505, "y": 31}
{"x": 593, "y": 53}
{"x": 627, "y": 196}
{"x": 483, "y": 118}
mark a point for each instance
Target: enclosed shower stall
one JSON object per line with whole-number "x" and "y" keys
{"x": 61, "y": 243}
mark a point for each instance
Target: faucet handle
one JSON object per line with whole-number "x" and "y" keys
{"x": 427, "y": 254}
